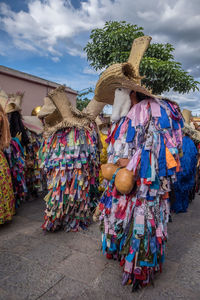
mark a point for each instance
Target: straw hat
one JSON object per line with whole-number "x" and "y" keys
{"x": 187, "y": 115}
{"x": 14, "y": 102}
{"x": 123, "y": 75}
{"x": 47, "y": 109}
{"x": 3, "y": 99}
{"x": 193, "y": 133}
{"x": 93, "y": 109}
{"x": 33, "y": 124}
{"x": 64, "y": 115}
{"x": 59, "y": 113}
{"x": 102, "y": 121}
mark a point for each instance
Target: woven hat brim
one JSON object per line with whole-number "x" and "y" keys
{"x": 46, "y": 110}
{"x": 193, "y": 133}
{"x": 12, "y": 107}
{"x": 118, "y": 76}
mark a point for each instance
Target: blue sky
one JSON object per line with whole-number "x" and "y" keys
{"x": 46, "y": 37}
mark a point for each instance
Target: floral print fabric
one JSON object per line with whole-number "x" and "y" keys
{"x": 7, "y": 200}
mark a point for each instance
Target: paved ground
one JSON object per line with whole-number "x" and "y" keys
{"x": 54, "y": 266}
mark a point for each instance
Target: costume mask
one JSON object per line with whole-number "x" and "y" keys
{"x": 121, "y": 105}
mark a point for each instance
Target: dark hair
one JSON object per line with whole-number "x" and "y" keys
{"x": 16, "y": 126}
{"x": 140, "y": 96}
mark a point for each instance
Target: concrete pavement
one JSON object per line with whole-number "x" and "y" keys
{"x": 64, "y": 266}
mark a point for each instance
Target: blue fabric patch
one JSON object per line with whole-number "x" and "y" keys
{"x": 155, "y": 184}
{"x": 113, "y": 247}
{"x": 150, "y": 198}
{"x": 181, "y": 122}
{"x": 104, "y": 244}
{"x": 145, "y": 163}
{"x": 171, "y": 171}
{"x": 135, "y": 244}
{"x": 175, "y": 124}
{"x": 122, "y": 243}
{"x": 147, "y": 264}
{"x": 130, "y": 133}
{"x": 153, "y": 245}
{"x": 118, "y": 130}
{"x": 164, "y": 120}
{"x": 130, "y": 257}
{"x": 162, "y": 165}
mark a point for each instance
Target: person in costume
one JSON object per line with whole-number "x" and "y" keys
{"x": 7, "y": 200}
{"x": 70, "y": 157}
{"x": 15, "y": 153}
{"x": 184, "y": 187}
{"x": 103, "y": 124}
{"x": 143, "y": 157}
{"x": 35, "y": 179}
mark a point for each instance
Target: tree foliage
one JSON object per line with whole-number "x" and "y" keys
{"x": 82, "y": 99}
{"x": 112, "y": 44}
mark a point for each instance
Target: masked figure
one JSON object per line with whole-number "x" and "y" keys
{"x": 7, "y": 200}
{"x": 143, "y": 156}
{"x": 70, "y": 157}
{"x": 184, "y": 187}
{"x": 15, "y": 153}
{"x": 35, "y": 179}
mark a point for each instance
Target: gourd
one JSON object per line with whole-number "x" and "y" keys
{"x": 124, "y": 181}
{"x": 108, "y": 170}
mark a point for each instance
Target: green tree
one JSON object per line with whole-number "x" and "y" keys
{"x": 82, "y": 99}
{"x": 112, "y": 44}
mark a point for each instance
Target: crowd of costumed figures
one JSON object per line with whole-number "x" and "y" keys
{"x": 129, "y": 173}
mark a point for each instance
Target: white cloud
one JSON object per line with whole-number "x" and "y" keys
{"x": 55, "y": 59}
{"x": 50, "y": 22}
{"x": 51, "y": 27}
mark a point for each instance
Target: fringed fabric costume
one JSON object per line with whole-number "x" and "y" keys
{"x": 35, "y": 178}
{"x": 16, "y": 155}
{"x": 134, "y": 226}
{"x": 186, "y": 178}
{"x": 103, "y": 158}
{"x": 16, "y": 160}
{"x": 7, "y": 200}
{"x": 70, "y": 158}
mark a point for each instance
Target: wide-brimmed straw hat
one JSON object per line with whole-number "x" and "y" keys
{"x": 70, "y": 116}
{"x": 14, "y": 102}
{"x": 123, "y": 75}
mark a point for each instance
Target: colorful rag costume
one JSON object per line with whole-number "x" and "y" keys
{"x": 35, "y": 178}
{"x": 7, "y": 200}
{"x": 70, "y": 158}
{"x": 149, "y": 137}
{"x": 103, "y": 154}
{"x": 16, "y": 160}
{"x": 186, "y": 178}
{"x": 15, "y": 153}
{"x": 134, "y": 226}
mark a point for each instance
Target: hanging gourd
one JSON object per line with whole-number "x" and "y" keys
{"x": 124, "y": 181}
